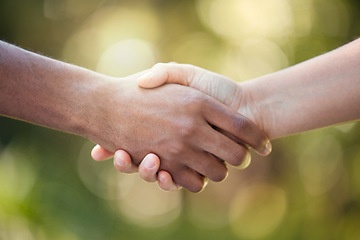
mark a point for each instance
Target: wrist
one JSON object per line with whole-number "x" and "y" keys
{"x": 95, "y": 107}
{"x": 256, "y": 105}
{"x": 88, "y": 109}
{"x": 109, "y": 99}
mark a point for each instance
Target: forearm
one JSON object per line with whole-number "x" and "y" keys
{"x": 45, "y": 91}
{"x": 319, "y": 92}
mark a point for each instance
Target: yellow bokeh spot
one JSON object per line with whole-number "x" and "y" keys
{"x": 108, "y": 27}
{"x": 126, "y": 57}
{"x": 199, "y": 49}
{"x": 119, "y": 23}
{"x": 17, "y": 177}
{"x": 303, "y": 13}
{"x": 235, "y": 19}
{"x": 257, "y": 211}
{"x": 16, "y": 227}
{"x": 79, "y": 50}
{"x": 147, "y": 205}
{"x": 143, "y": 204}
{"x": 209, "y": 209}
{"x": 320, "y": 164}
{"x": 253, "y": 58}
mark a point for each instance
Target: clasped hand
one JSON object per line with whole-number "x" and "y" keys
{"x": 187, "y": 132}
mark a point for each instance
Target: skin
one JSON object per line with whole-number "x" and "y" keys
{"x": 191, "y": 132}
{"x": 317, "y": 93}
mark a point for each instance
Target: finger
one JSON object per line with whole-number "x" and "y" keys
{"x": 166, "y": 182}
{"x": 166, "y": 73}
{"x": 189, "y": 179}
{"x": 208, "y": 165}
{"x": 123, "y": 163}
{"x": 246, "y": 161}
{"x": 99, "y": 153}
{"x": 223, "y": 147}
{"x": 243, "y": 129}
{"x": 148, "y": 167}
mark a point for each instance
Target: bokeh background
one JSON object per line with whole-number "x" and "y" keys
{"x": 308, "y": 188}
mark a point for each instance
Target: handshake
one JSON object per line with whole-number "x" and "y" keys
{"x": 177, "y": 123}
{"x": 187, "y": 132}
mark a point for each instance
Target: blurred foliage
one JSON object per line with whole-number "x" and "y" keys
{"x": 309, "y": 188}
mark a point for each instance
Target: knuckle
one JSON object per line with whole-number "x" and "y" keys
{"x": 189, "y": 128}
{"x": 158, "y": 65}
{"x": 195, "y": 100}
{"x": 241, "y": 124}
{"x": 176, "y": 148}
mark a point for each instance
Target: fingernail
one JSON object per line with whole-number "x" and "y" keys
{"x": 268, "y": 148}
{"x": 146, "y": 76}
{"x": 161, "y": 178}
{"x": 118, "y": 160}
{"x": 94, "y": 153}
{"x": 148, "y": 163}
{"x": 246, "y": 162}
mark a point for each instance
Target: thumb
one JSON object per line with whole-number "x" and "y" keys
{"x": 99, "y": 153}
{"x": 162, "y": 73}
{"x": 148, "y": 80}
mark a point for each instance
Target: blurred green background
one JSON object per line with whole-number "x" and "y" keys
{"x": 308, "y": 188}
